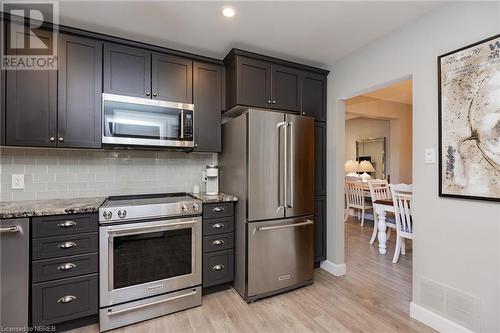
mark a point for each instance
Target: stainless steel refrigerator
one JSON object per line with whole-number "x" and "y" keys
{"x": 268, "y": 162}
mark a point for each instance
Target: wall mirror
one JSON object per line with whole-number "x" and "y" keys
{"x": 373, "y": 150}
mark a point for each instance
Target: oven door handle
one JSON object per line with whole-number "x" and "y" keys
{"x": 116, "y": 312}
{"x": 134, "y": 229}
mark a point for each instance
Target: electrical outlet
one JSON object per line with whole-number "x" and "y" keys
{"x": 430, "y": 156}
{"x": 203, "y": 176}
{"x": 17, "y": 181}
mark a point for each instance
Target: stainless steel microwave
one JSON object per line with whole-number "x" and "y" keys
{"x": 134, "y": 121}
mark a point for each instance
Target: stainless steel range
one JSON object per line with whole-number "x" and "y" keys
{"x": 150, "y": 257}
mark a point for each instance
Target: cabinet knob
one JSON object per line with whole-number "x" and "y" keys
{"x": 196, "y": 145}
{"x": 61, "y": 139}
{"x": 67, "y": 266}
{"x": 67, "y": 224}
{"x": 274, "y": 102}
{"x": 52, "y": 139}
{"x": 304, "y": 113}
{"x": 218, "y": 226}
{"x": 155, "y": 94}
{"x": 147, "y": 94}
{"x": 268, "y": 102}
{"x": 67, "y": 245}
{"x": 66, "y": 299}
{"x": 218, "y": 267}
{"x": 218, "y": 242}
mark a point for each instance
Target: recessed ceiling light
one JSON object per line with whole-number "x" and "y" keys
{"x": 228, "y": 11}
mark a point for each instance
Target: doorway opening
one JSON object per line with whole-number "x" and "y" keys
{"x": 378, "y": 155}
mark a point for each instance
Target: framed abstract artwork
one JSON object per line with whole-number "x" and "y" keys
{"x": 469, "y": 121}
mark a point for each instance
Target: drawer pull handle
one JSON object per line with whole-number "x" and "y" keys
{"x": 218, "y": 267}
{"x": 218, "y": 242}
{"x": 67, "y": 224}
{"x": 218, "y": 225}
{"x": 67, "y": 266}
{"x": 218, "y": 209}
{"x": 66, "y": 299}
{"x": 67, "y": 245}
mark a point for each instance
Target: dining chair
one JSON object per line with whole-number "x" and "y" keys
{"x": 379, "y": 190}
{"x": 355, "y": 198}
{"x": 402, "y": 198}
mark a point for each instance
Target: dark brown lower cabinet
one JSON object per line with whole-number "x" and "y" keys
{"x": 64, "y": 270}
{"x": 218, "y": 245}
{"x": 319, "y": 228}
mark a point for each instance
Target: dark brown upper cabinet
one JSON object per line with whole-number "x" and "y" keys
{"x": 31, "y": 100}
{"x": 285, "y": 88}
{"x": 79, "y": 92}
{"x": 172, "y": 78}
{"x": 314, "y": 95}
{"x": 208, "y": 94}
{"x": 127, "y": 71}
{"x": 140, "y": 73}
{"x": 260, "y": 81}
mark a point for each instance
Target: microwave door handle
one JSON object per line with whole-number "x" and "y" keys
{"x": 182, "y": 124}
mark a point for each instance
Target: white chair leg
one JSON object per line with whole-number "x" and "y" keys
{"x": 397, "y": 250}
{"x": 403, "y": 246}
{"x": 362, "y": 217}
{"x": 375, "y": 222}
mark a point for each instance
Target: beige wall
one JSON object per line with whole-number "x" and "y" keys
{"x": 457, "y": 241}
{"x": 400, "y": 133}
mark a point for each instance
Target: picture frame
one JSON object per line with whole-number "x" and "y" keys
{"x": 468, "y": 121}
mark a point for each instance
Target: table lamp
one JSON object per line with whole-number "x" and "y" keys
{"x": 351, "y": 167}
{"x": 365, "y": 166}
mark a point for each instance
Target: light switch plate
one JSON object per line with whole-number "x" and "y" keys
{"x": 17, "y": 181}
{"x": 430, "y": 156}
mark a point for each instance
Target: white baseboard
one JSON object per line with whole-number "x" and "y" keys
{"x": 435, "y": 320}
{"x": 334, "y": 269}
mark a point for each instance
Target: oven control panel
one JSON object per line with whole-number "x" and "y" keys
{"x": 108, "y": 214}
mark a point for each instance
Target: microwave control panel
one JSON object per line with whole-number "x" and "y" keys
{"x": 188, "y": 125}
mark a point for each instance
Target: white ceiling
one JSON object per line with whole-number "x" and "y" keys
{"x": 314, "y": 33}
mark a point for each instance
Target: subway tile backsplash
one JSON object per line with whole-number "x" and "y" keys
{"x": 52, "y": 174}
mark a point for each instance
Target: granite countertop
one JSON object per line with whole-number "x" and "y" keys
{"x": 15, "y": 209}
{"x": 221, "y": 197}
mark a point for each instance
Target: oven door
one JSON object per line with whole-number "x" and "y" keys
{"x": 143, "y": 259}
{"x": 146, "y": 122}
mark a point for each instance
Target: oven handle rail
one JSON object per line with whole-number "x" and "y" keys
{"x": 131, "y": 229}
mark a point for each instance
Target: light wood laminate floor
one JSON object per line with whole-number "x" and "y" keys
{"x": 374, "y": 296}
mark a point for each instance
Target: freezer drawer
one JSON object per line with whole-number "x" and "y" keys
{"x": 280, "y": 254}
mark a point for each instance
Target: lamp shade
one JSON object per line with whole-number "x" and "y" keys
{"x": 351, "y": 166}
{"x": 366, "y": 166}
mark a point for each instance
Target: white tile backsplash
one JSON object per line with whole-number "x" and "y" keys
{"x": 53, "y": 173}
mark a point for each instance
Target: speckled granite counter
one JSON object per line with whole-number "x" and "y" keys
{"x": 221, "y": 197}
{"x": 13, "y": 209}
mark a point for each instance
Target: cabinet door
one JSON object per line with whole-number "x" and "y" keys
{"x": 285, "y": 88}
{"x": 79, "y": 97}
{"x": 127, "y": 71}
{"x": 319, "y": 228}
{"x": 253, "y": 82}
{"x": 208, "y": 107}
{"x": 31, "y": 99}
{"x": 320, "y": 158}
{"x": 172, "y": 78}
{"x": 314, "y": 96}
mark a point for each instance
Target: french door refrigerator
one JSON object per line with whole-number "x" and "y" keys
{"x": 268, "y": 162}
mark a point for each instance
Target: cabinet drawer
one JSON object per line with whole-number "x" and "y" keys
{"x": 218, "y": 268}
{"x": 216, "y": 210}
{"x": 62, "y": 246}
{"x": 51, "y": 269}
{"x": 217, "y": 226}
{"x": 217, "y": 242}
{"x": 62, "y": 300}
{"x": 64, "y": 225}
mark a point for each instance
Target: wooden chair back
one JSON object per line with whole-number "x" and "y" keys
{"x": 402, "y": 198}
{"x": 379, "y": 189}
{"x": 354, "y": 193}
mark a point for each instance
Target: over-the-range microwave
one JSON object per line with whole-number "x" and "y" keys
{"x": 132, "y": 121}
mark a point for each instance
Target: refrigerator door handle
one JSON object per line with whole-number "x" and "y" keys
{"x": 282, "y": 167}
{"x": 292, "y": 162}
